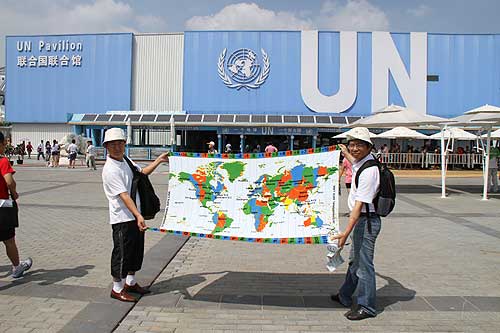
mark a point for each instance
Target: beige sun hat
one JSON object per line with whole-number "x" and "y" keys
{"x": 359, "y": 133}
{"x": 114, "y": 134}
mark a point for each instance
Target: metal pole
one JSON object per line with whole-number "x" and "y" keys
{"x": 486, "y": 165}
{"x": 443, "y": 163}
{"x": 173, "y": 137}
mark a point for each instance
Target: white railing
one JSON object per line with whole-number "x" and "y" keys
{"x": 394, "y": 160}
{"x": 469, "y": 161}
{"x": 403, "y": 160}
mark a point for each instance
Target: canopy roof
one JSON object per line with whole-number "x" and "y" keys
{"x": 454, "y": 133}
{"x": 345, "y": 134}
{"x": 395, "y": 115}
{"x": 402, "y": 133}
{"x": 494, "y": 135}
{"x": 485, "y": 115}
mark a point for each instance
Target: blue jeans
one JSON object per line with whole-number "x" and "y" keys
{"x": 361, "y": 272}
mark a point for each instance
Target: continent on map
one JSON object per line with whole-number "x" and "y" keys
{"x": 286, "y": 188}
{"x": 208, "y": 182}
{"x": 221, "y": 221}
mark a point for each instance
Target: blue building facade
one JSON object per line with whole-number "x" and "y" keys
{"x": 49, "y": 78}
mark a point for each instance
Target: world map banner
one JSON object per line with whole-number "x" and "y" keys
{"x": 286, "y": 197}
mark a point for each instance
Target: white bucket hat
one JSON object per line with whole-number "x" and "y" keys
{"x": 114, "y": 134}
{"x": 359, "y": 133}
{"x": 211, "y": 143}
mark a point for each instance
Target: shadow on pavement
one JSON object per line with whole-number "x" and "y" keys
{"x": 5, "y": 270}
{"x": 44, "y": 277}
{"x": 231, "y": 289}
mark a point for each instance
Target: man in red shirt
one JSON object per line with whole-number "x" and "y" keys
{"x": 7, "y": 234}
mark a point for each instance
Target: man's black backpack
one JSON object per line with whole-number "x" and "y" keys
{"x": 385, "y": 200}
{"x": 150, "y": 203}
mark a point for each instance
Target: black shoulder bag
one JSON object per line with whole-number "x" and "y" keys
{"x": 150, "y": 203}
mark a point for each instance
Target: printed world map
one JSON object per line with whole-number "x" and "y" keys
{"x": 279, "y": 197}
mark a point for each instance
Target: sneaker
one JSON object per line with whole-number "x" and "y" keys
{"x": 23, "y": 267}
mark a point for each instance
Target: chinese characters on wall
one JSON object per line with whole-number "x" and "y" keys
{"x": 70, "y": 58}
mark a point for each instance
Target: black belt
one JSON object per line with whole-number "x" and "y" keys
{"x": 368, "y": 215}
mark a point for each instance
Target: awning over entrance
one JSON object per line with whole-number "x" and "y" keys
{"x": 151, "y": 119}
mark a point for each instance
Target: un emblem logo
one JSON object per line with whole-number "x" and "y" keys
{"x": 242, "y": 69}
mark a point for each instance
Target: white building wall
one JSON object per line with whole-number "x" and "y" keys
{"x": 157, "y": 71}
{"x": 161, "y": 138}
{"x": 37, "y": 132}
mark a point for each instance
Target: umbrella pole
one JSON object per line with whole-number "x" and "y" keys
{"x": 443, "y": 164}
{"x": 486, "y": 165}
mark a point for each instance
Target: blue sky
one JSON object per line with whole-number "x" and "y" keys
{"x": 88, "y": 16}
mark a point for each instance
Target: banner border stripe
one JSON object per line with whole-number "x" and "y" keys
{"x": 245, "y": 156}
{"x": 295, "y": 240}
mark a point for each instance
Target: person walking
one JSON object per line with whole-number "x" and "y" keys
{"x": 48, "y": 153}
{"x": 365, "y": 226}
{"x": 493, "y": 170}
{"x": 29, "y": 149}
{"x": 55, "y": 153}
{"x": 72, "y": 153}
{"x": 40, "y": 151}
{"x": 8, "y": 234}
{"x": 125, "y": 217}
{"x": 90, "y": 155}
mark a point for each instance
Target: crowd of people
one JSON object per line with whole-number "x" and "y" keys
{"x": 50, "y": 152}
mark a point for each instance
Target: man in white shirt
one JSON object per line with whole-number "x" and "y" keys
{"x": 124, "y": 216}
{"x": 72, "y": 153}
{"x": 40, "y": 150}
{"x": 365, "y": 226}
{"x": 91, "y": 155}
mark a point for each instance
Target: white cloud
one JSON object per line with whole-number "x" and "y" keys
{"x": 356, "y": 15}
{"x": 64, "y": 16}
{"x": 419, "y": 11}
{"x": 246, "y": 16}
{"x": 336, "y": 15}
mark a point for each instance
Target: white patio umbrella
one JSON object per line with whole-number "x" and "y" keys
{"x": 449, "y": 133}
{"x": 395, "y": 115}
{"x": 345, "y": 134}
{"x": 494, "y": 135}
{"x": 454, "y": 133}
{"x": 484, "y": 116}
{"x": 402, "y": 132}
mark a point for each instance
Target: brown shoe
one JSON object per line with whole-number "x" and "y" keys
{"x": 123, "y": 296}
{"x": 136, "y": 288}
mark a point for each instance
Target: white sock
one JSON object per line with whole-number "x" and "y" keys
{"x": 130, "y": 280}
{"x": 117, "y": 286}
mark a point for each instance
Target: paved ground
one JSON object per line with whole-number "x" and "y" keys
{"x": 438, "y": 262}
